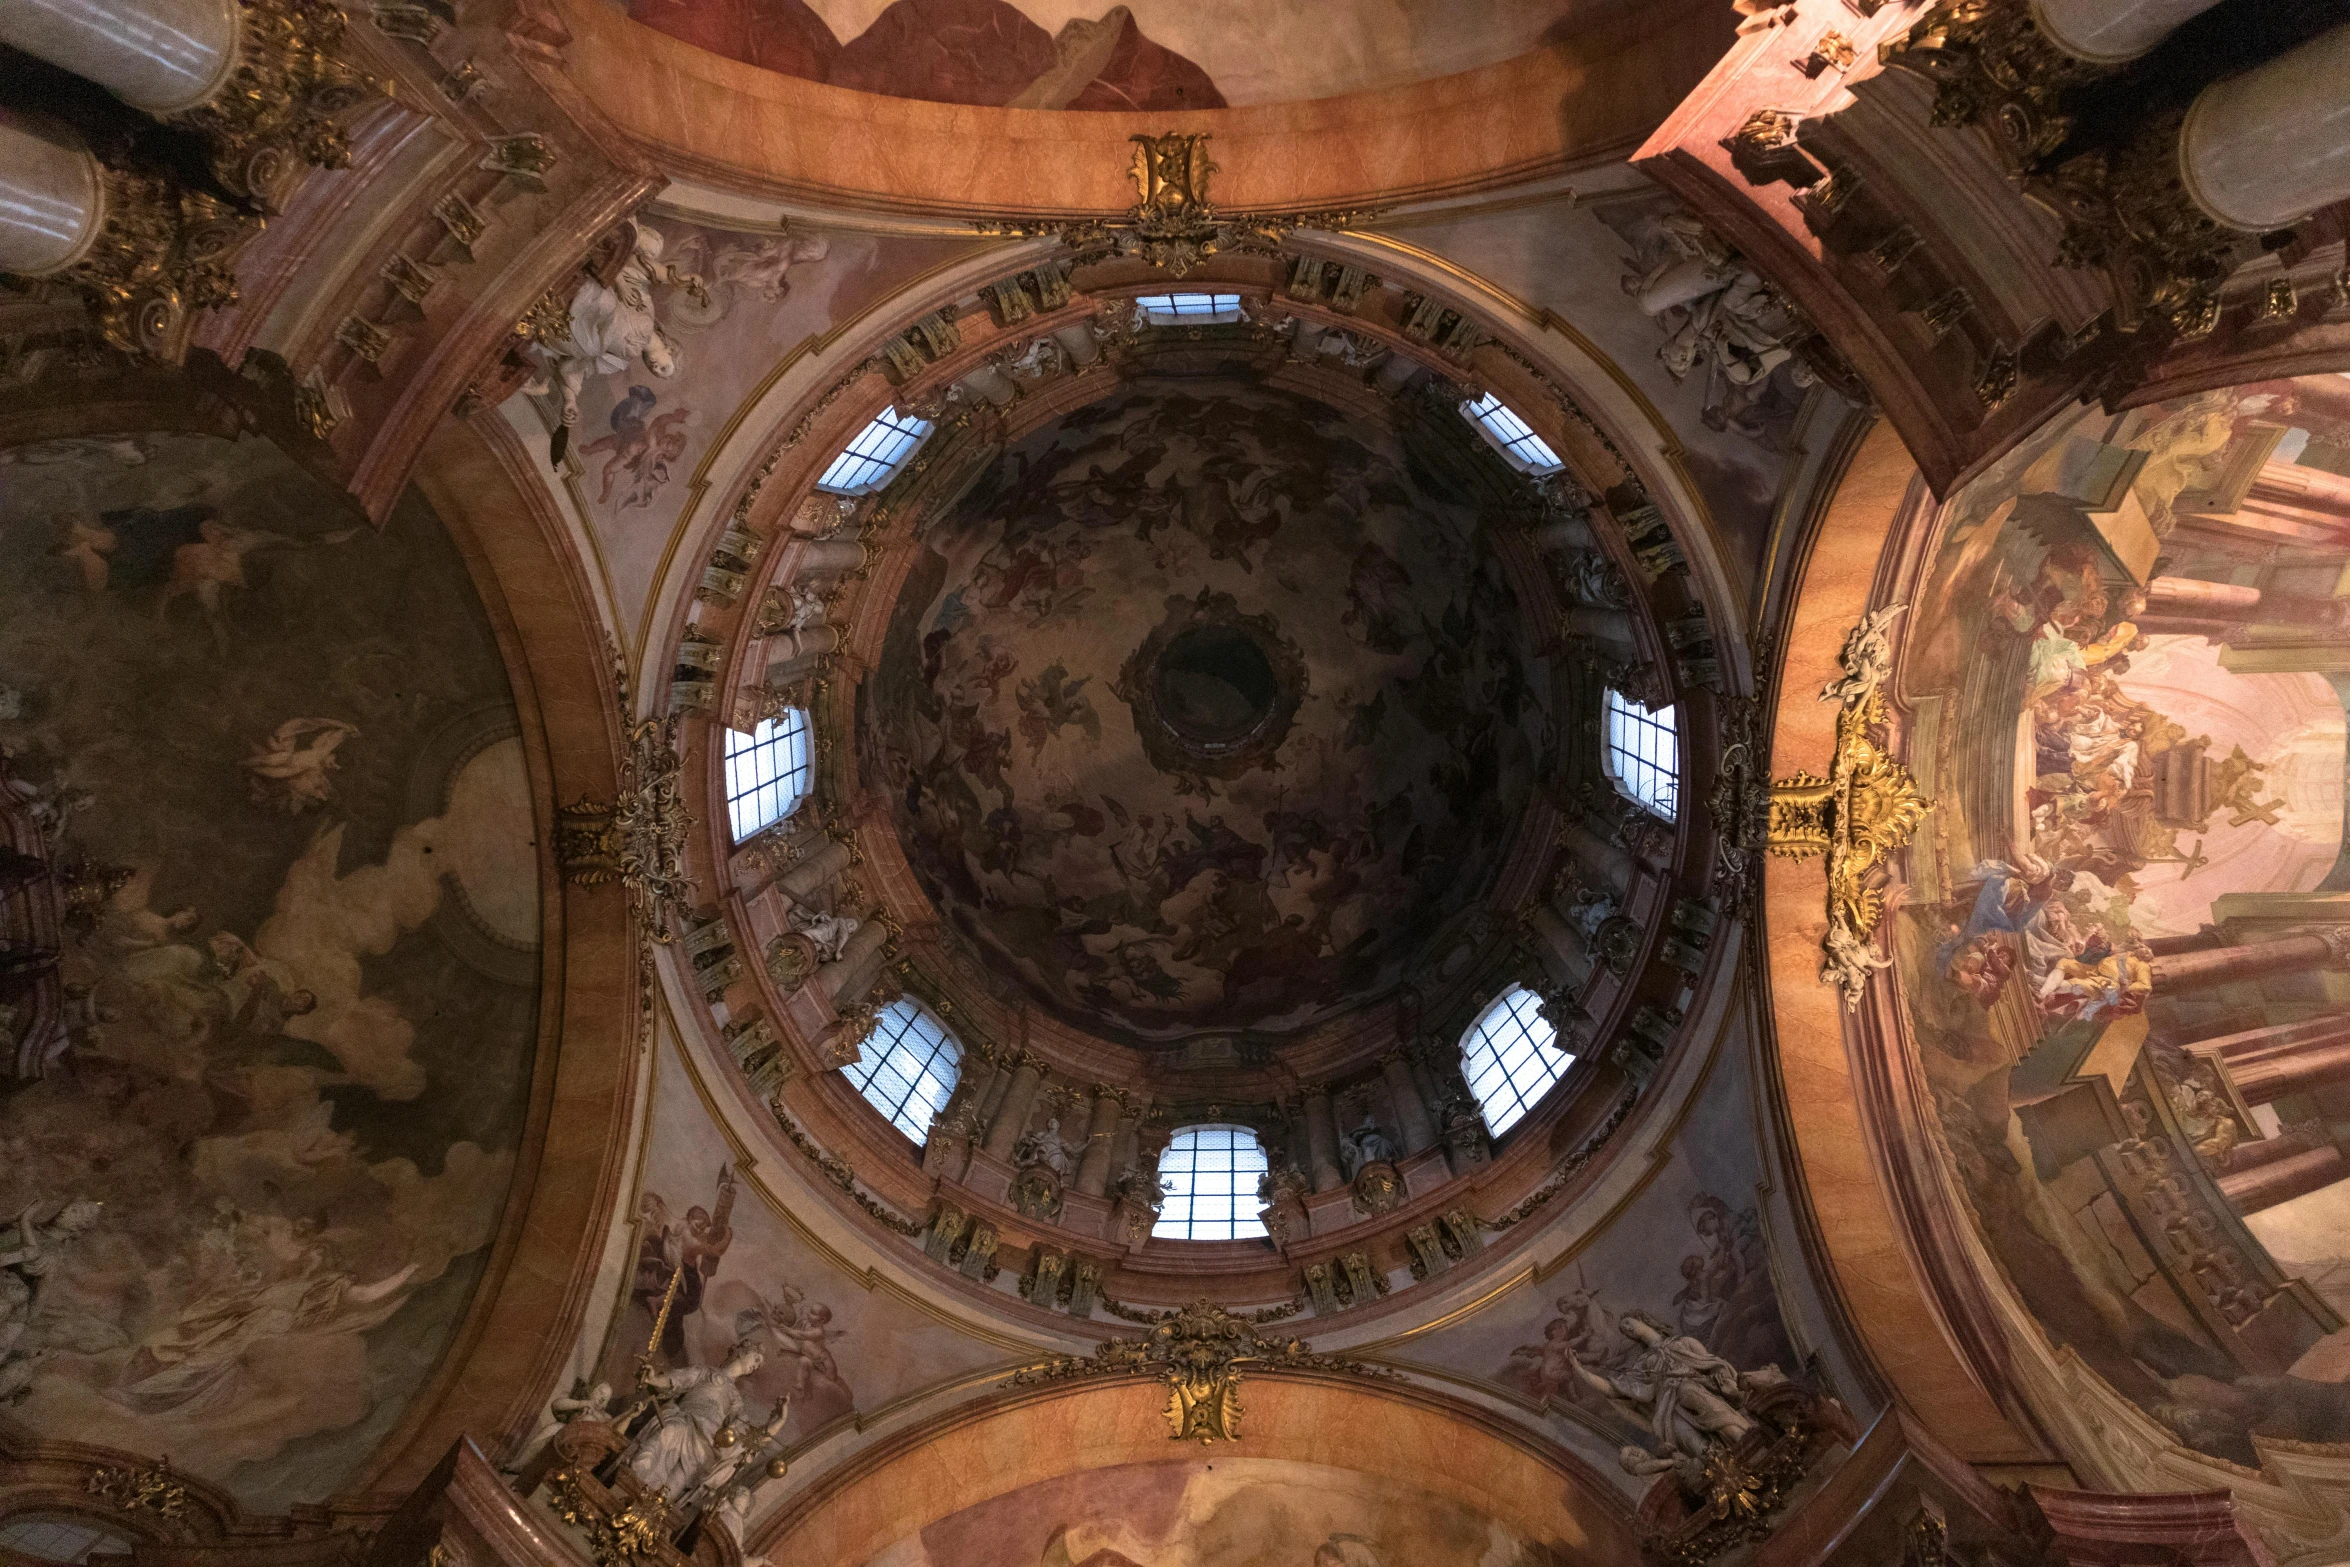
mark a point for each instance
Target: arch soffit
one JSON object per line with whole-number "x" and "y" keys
{"x": 747, "y": 129}
{"x": 1426, "y": 1440}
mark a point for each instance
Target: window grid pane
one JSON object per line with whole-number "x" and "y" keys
{"x": 910, "y": 1067}
{"x": 1644, "y": 754}
{"x": 767, "y": 772}
{"x": 1212, "y": 1174}
{"x": 1510, "y": 1058}
{"x": 875, "y": 456}
{"x": 1201, "y": 309}
{"x": 59, "y": 1539}
{"x": 1511, "y": 435}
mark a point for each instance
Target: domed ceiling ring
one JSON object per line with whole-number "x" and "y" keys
{"x": 1213, "y": 690}
{"x": 1210, "y": 680}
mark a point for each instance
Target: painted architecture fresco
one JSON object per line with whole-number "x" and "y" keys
{"x": 1689, "y": 1255}
{"x": 2125, "y": 681}
{"x": 268, "y": 957}
{"x": 1231, "y": 1512}
{"x": 832, "y": 1342}
{"x": 667, "y": 366}
{"x": 1079, "y": 54}
{"x": 1018, "y": 716}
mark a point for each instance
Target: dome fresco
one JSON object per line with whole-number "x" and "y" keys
{"x": 1206, "y": 708}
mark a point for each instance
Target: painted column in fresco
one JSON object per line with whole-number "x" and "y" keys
{"x": 804, "y": 880}
{"x": 2107, "y": 32}
{"x": 1093, "y": 1169}
{"x": 52, "y": 196}
{"x": 2201, "y": 940}
{"x": 2268, "y": 1064}
{"x": 1012, "y": 1117}
{"x": 158, "y": 55}
{"x": 1411, "y": 1112}
{"x": 2188, "y": 606}
{"x": 2179, "y": 972}
{"x": 2271, "y": 145}
{"x": 1322, "y": 1140}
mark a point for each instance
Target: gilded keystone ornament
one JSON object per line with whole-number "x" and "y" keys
{"x": 1197, "y": 1352}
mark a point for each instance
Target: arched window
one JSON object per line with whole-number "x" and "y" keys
{"x": 875, "y": 456}
{"x": 1510, "y": 1056}
{"x": 60, "y": 1539}
{"x": 1511, "y": 436}
{"x": 1644, "y": 754}
{"x": 1211, "y": 1174}
{"x": 766, "y": 772}
{"x": 909, "y": 1068}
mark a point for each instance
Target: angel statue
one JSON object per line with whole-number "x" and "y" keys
{"x": 695, "y": 1410}
{"x": 1690, "y": 1398}
{"x": 828, "y": 933}
{"x": 610, "y": 326}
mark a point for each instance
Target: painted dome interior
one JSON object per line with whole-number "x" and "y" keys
{"x": 1207, "y": 708}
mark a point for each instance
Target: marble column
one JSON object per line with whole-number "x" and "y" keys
{"x": 2107, "y": 32}
{"x": 820, "y": 557}
{"x": 802, "y": 881}
{"x": 1093, "y": 1168}
{"x": 845, "y": 980}
{"x": 1419, "y": 1131}
{"x": 52, "y": 195}
{"x": 2184, "y": 971}
{"x": 1322, "y": 1141}
{"x": 1012, "y": 1116}
{"x": 158, "y": 55}
{"x": 2267, "y": 146}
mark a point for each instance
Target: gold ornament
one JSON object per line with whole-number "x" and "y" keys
{"x": 151, "y": 1489}
{"x": 1173, "y": 225}
{"x": 639, "y": 839}
{"x": 1197, "y": 1352}
{"x": 1857, "y": 816}
{"x": 278, "y": 107}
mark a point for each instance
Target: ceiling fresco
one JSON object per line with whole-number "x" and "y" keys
{"x": 1064, "y": 54}
{"x": 2138, "y": 778}
{"x": 269, "y": 911}
{"x": 1206, "y": 708}
{"x": 1231, "y": 1512}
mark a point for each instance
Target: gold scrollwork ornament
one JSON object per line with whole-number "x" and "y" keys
{"x": 1198, "y": 1353}
{"x": 1173, "y": 225}
{"x": 1858, "y": 816}
{"x": 639, "y": 840}
{"x": 277, "y": 110}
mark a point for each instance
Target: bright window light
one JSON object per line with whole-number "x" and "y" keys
{"x": 1191, "y": 309}
{"x": 876, "y": 455}
{"x": 1511, "y": 436}
{"x": 909, "y": 1068}
{"x": 1510, "y": 1056}
{"x": 766, "y": 772}
{"x": 1211, "y": 1174}
{"x": 1644, "y": 754}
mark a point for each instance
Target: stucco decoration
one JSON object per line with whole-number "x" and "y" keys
{"x": 1206, "y": 708}
{"x": 2121, "y": 949}
{"x": 269, "y": 918}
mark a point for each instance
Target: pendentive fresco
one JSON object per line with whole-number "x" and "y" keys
{"x": 2137, "y": 760}
{"x": 269, "y": 889}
